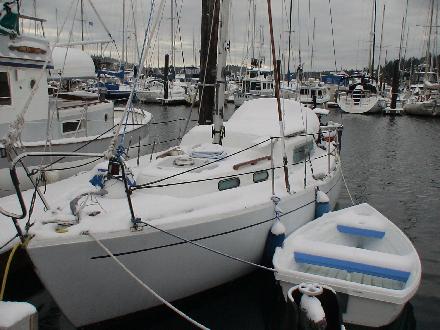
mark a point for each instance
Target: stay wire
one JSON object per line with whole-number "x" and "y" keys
{"x": 333, "y": 33}
{"x": 146, "y": 186}
{"x": 200, "y": 166}
{"x": 210, "y": 249}
{"x": 144, "y": 285}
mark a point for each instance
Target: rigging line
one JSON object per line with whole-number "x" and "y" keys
{"x": 145, "y": 47}
{"x": 209, "y": 249}
{"x": 333, "y": 33}
{"x": 144, "y": 285}
{"x": 203, "y": 165}
{"x": 402, "y": 32}
{"x": 79, "y": 148}
{"x": 179, "y": 14}
{"x": 49, "y": 124}
{"x": 155, "y": 42}
{"x": 345, "y": 183}
{"x": 69, "y": 167}
{"x": 147, "y": 186}
{"x": 105, "y": 27}
{"x": 246, "y": 44}
{"x": 9, "y": 241}
{"x": 129, "y": 103}
{"x": 135, "y": 30}
{"x": 65, "y": 20}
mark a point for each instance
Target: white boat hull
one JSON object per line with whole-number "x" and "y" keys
{"x": 89, "y": 286}
{"x": 427, "y": 108}
{"x": 135, "y": 142}
{"x": 365, "y": 105}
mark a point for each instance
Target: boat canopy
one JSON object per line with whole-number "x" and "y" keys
{"x": 77, "y": 64}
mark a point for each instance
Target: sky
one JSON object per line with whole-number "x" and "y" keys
{"x": 351, "y": 26}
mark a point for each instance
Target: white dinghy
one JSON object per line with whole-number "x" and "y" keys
{"x": 361, "y": 255}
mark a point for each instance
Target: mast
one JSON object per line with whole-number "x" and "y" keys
{"x": 428, "y": 46}
{"x": 277, "y": 95}
{"x": 56, "y": 20}
{"x": 313, "y": 44}
{"x": 223, "y": 46}
{"x": 82, "y": 24}
{"x": 371, "y": 39}
{"x": 253, "y": 29}
{"x": 172, "y": 33}
{"x": 374, "y": 38}
{"x": 290, "y": 34}
{"x": 208, "y": 59}
{"x": 380, "y": 47}
{"x": 123, "y": 32}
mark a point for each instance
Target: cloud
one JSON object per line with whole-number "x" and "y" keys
{"x": 351, "y": 25}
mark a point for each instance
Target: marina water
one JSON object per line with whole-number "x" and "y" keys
{"x": 393, "y": 163}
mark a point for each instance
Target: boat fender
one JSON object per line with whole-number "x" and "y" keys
{"x": 322, "y": 204}
{"x": 276, "y": 235}
{"x": 318, "y": 306}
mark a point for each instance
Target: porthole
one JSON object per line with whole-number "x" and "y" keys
{"x": 228, "y": 183}
{"x": 260, "y": 176}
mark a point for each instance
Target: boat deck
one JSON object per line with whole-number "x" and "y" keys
{"x": 351, "y": 276}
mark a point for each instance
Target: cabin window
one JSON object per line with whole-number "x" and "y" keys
{"x": 5, "y": 90}
{"x": 73, "y": 126}
{"x": 300, "y": 152}
{"x": 256, "y": 85}
{"x": 228, "y": 183}
{"x": 246, "y": 86}
{"x": 264, "y": 85}
{"x": 261, "y": 176}
{"x": 303, "y": 91}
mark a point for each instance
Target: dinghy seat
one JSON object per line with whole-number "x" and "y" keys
{"x": 353, "y": 260}
{"x": 365, "y": 226}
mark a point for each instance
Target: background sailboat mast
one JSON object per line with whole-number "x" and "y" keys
{"x": 172, "y": 33}
{"x": 374, "y": 39}
{"x": 82, "y": 24}
{"x": 380, "y": 47}
{"x": 123, "y": 31}
{"x": 428, "y": 46}
{"x": 290, "y": 37}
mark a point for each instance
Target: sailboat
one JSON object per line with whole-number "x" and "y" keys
{"x": 32, "y": 120}
{"x": 362, "y": 96}
{"x": 425, "y": 101}
{"x": 193, "y": 218}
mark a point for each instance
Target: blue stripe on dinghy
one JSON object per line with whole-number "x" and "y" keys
{"x": 351, "y": 266}
{"x": 360, "y": 231}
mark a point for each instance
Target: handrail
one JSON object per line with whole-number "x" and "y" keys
{"x": 16, "y": 182}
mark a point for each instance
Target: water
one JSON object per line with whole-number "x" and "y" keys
{"x": 393, "y": 163}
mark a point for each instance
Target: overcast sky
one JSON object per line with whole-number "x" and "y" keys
{"x": 351, "y": 23}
